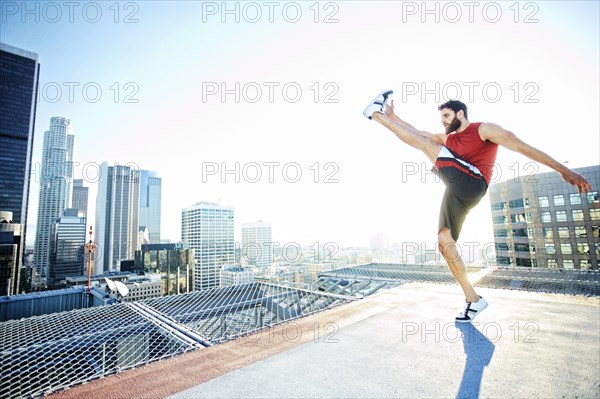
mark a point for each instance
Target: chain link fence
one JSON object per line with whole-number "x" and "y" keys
{"x": 43, "y": 354}
{"x": 364, "y": 280}
{"x": 556, "y": 281}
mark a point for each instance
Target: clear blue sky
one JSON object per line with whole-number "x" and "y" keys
{"x": 542, "y": 56}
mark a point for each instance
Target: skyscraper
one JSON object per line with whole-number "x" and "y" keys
{"x": 257, "y": 247}
{"x": 19, "y": 74}
{"x": 117, "y": 216}
{"x": 541, "y": 221}
{"x": 208, "y": 228}
{"x": 80, "y": 196}
{"x": 150, "y": 197}
{"x": 55, "y": 188}
{"x": 67, "y": 248}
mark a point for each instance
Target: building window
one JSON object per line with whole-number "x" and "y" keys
{"x": 499, "y": 206}
{"x": 548, "y": 233}
{"x": 501, "y": 246}
{"x": 519, "y": 233}
{"x": 545, "y": 217}
{"x": 566, "y": 249}
{"x": 550, "y": 250}
{"x": 503, "y": 260}
{"x": 525, "y": 248}
{"x": 561, "y": 216}
{"x": 593, "y": 197}
{"x": 521, "y": 217}
{"x": 518, "y": 218}
{"x": 543, "y": 201}
{"x": 524, "y": 262}
{"x": 563, "y": 232}
{"x": 568, "y": 264}
{"x": 595, "y": 214}
{"x": 585, "y": 265}
{"x": 583, "y": 248}
{"x": 596, "y": 231}
{"x": 530, "y": 232}
{"x": 577, "y": 214}
{"x": 500, "y": 220}
{"x": 522, "y": 247}
{"x": 552, "y": 263}
{"x": 580, "y": 231}
{"x": 502, "y": 233}
{"x": 575, "y": 199}
{"x": 559, "y": 200}
{"x": 520, "y": 203}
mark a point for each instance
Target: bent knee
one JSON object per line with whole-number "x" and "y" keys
{"x": 444, "y": 238}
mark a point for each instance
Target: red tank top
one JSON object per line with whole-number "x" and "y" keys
{"x": 469, "y": 146}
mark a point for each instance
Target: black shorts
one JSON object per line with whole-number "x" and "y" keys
{"x": 465, "y": 186}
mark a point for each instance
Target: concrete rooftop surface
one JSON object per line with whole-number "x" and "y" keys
{"x": 398, "y": 343}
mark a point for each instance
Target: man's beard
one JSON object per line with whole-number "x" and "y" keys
{"x": 453, "y": 126}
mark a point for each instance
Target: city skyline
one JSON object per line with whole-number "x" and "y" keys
{"x": 187, "y": 135}
{"x": 175, "y": 118}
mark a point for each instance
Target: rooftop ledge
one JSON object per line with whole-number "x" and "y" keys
{"x": 397, "y": 343}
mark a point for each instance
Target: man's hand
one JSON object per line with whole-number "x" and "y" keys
{"x": 389, "y": 109}
{"x": 577, "y": 180}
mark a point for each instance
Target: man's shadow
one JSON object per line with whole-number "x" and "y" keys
{"x": 479, "y": 350}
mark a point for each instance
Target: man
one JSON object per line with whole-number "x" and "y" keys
{"x": 464, "y": 157}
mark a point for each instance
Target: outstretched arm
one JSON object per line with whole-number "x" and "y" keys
{"x": 389, "y": 112}
{"x": 501, "y": 136}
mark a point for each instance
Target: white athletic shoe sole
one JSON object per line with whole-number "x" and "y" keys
{"x": 472, "y": 309}
{"x": 378, "y": 104}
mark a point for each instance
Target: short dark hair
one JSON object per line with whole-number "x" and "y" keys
{"x": 455, "y": 106}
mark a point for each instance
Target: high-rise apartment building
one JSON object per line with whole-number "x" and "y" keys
{"x": 542, "y": 221}
{"x": 150, "y": 202}
{"x": 117, "y": 216}
{"x": 67, "y": 248}
{"x": 19, "y": 75}
{"x": 55, "y": 189}
{"x": 208, "y": 229}
{"x": 257, "y": 245}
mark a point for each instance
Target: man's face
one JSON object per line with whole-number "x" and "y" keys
{"x": 449, "y": 120}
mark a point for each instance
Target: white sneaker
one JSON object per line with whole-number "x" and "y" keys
{"x": 471, "y": 310}
{"x": 378, "y": 104}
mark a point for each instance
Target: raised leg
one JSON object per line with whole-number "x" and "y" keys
{"x": 410, "y": 136}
